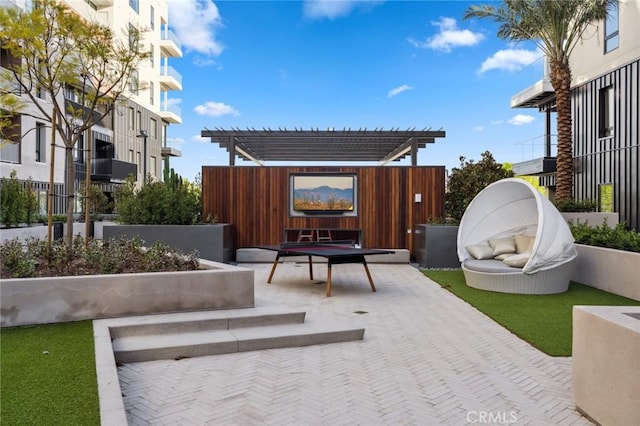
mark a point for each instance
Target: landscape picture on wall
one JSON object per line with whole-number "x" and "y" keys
{"x": 323, "y": 193}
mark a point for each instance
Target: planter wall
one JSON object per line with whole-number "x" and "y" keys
{"x": 435, "y": 246}
{"x": 213, "y": 242}
{"x": 614, "y": 271}
{"x": 59, "y": 299}
{"x": 605, "y": 375}
{"x": 591, "y": 218}
{"x": 39, "y": 231}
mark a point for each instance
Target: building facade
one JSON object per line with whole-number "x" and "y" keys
{"x": 605, "y": 115}
{"x": 130, "y": 140}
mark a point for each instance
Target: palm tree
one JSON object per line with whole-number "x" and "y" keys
{"x": 555, "y": 26}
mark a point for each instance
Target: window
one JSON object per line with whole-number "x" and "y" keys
{"x": 133, "y": 82}
{"x": 132, "y": 123}
{"x": 611, "y": 26}
{"x": 134, "y": 5}
{"x": 10, "y": 152}
{"x": 79, "y": 150}
{"x": 607, "y": 108}
{"x": 40, "y": 94}
{"x": 41, "y": 139}
{"x": 152, "y": 18}
{"x": 605, "y": 197}
{"x": 133, "y": 37}
{"x": 139, "y": 120}
{"x": 153, "y": 128}
{"x": 151, "y": 57}
{"x": 153, "y": 165}
{"x": 10, "y": 140}
{"x": 151, "y": 90}
{"x": 130, "y": 157}
{"x": 139, "y": 162}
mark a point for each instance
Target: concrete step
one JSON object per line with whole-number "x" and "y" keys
{"x": 186, "y": 322}
{"x": 193, "y": 344}
{"x": 186, "y": 335}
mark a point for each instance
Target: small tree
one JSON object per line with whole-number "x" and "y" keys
{"x": 62, "y": 53}
{"x": 468, "y": 180}
{"x": 12, "y": 201}
{"x": 30, "y": 202}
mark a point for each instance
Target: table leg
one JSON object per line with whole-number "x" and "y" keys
{"x": 366, "y": 268}
{"x": 328, "y": 286}
{"x": 273, "y": 268}
{"x": 310, "y": 269}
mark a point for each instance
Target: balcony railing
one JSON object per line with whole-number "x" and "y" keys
{"x": 111, "y": 170}
{"x": 170, "y": 78}
{"x": 169, "y": 42}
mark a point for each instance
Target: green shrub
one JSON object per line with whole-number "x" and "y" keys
{"x": 576, "y": 206}
{"x": 172, "y": 202}
{"x": 468, "y": 180}
{"x": 37, "y": 258}
{"x": 618, "y": 238}
{"x": 12, "y": 208}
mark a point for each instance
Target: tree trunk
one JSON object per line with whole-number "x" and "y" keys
{"x": 561, "y": 82}
{"x": 70, "y": 194}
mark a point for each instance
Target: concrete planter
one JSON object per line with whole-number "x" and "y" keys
{"x": 591, "y": 218}
{"x": 213, "y": 242}
{"x": 435, "y": 246}
{"x": 606, "y": 363}
{"x": 614, "y": 271}
{"x": 59, "y": 299}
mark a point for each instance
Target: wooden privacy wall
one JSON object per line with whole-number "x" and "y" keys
{"x": 256, "y": 201}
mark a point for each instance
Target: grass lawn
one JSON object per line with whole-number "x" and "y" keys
{"x": 48, "y": 375}
{"x": 545, "y": 321}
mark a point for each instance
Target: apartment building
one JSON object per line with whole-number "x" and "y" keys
{"x": 131, "y": 140}
{"x": 606, "y": 114}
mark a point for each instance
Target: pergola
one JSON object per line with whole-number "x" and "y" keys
{"x": 378, "y": 145}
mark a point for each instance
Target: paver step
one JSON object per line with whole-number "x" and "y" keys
{"x": 187, "y": 322}
{"x": 212, "y": 342}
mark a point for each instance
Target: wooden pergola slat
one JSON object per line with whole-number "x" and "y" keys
{"x": 322, "y": 145}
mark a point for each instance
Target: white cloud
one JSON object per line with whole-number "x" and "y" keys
{"x": 215, "y": 109}
{"x": 449, "y": 36}
{"x": 175, "y": 142}
{"x": 497, "y": 122}
{"x": 332, "y": 9}
{"x": 478, "y": 128}
{"x": 521, "y": 119}
{"x": 510, "y": 60}
{"x": 199, "y": 139}
{"x": 195, "y": 22}
{"x": 398, "y": 90}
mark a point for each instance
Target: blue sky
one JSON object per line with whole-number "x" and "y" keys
{"x": 351, "y": 64}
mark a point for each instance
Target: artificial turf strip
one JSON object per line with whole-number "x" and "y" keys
{"x": 545, "y": 321}
{"x": 48, "y": 375}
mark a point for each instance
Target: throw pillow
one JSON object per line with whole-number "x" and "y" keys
{"x": 503, "y": 256}
{"x": 524, "y": 243}
{"x": 503, "y": 245}
{"x": 517, "y": 260}
{"x": 480, "y": 251}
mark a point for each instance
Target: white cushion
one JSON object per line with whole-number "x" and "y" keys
{"x": 503, "y": 245}
{"x": 480, "y": 251}
{"x": 524, "y": 243}
{"x": 503, "y": 256}
{"x": 517, "y": 260}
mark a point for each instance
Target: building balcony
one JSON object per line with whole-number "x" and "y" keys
{"x": 170, "y": 79}
{"x": 169, "y": 43}
{"x": 170, "y": 113}
{"x": 168, "y": 151}
{"x": 111, "y": 170}
{"x": 101, "y": 4}
{"x": 535, "y": 167}
{"x": 534, "y": 96}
